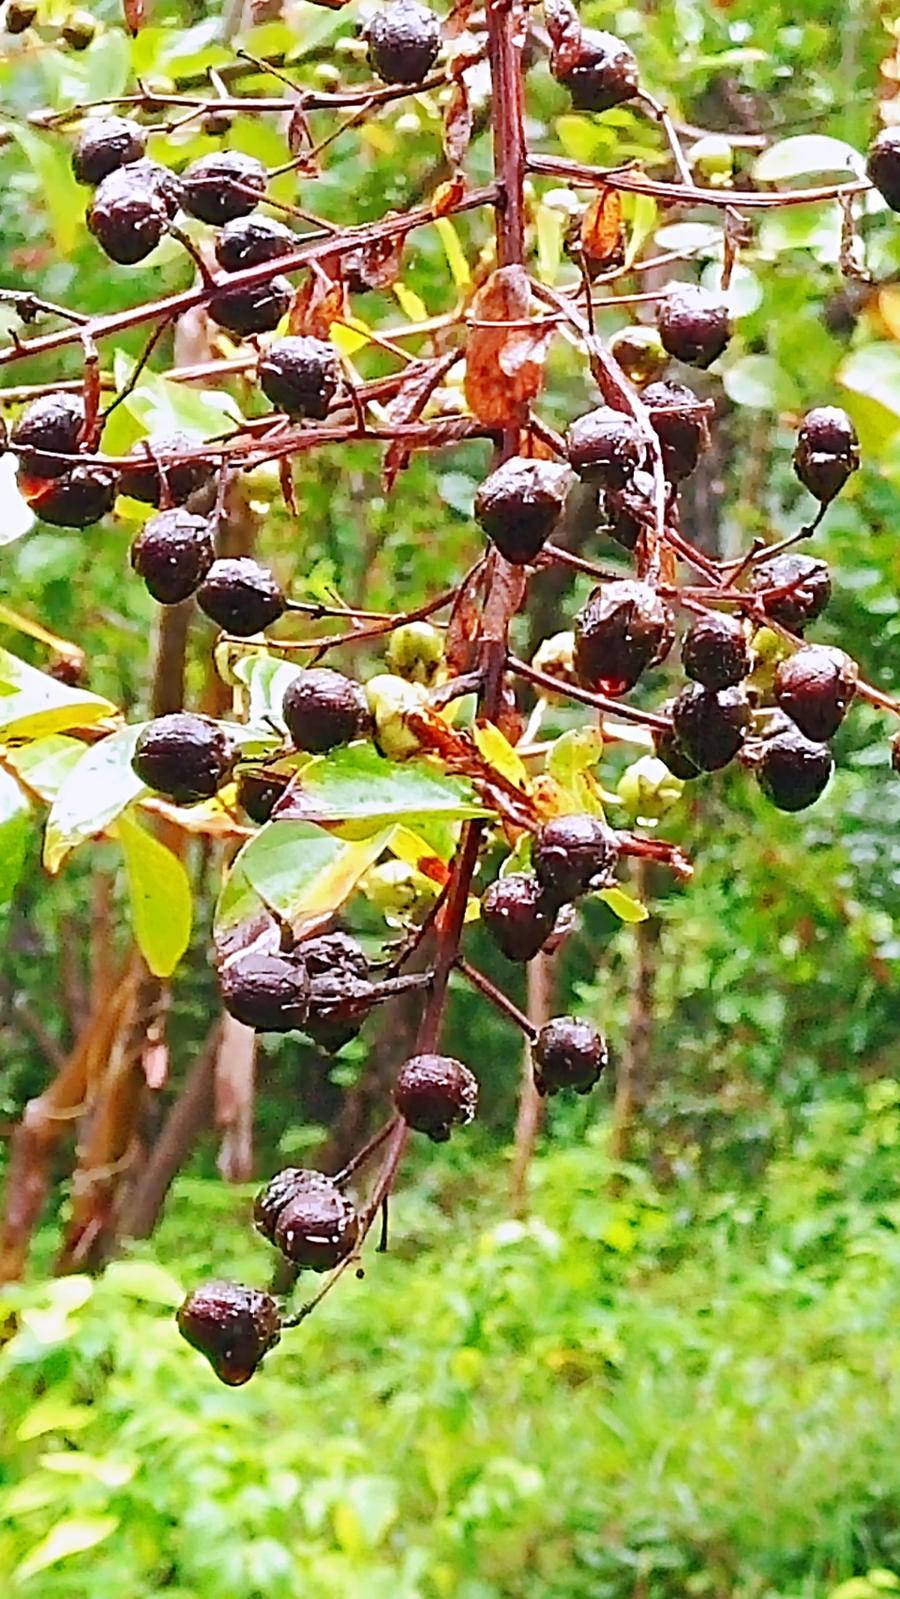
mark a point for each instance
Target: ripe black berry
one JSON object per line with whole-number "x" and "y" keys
{"x": 104, "y": 144}
{"x": 322, "y": 709}
{"x": 248, "y": 241}
{"x": 241, "y": 596}
{"x": 574, "y": 855}
{"x": 605, "y": 446}
{"x": 605, "y": 74}
{"x": 883, "y": 165}
{"x": 300, "y": 376}
{"x": 639, "y": 352}
{"x": 710, "y": 725}
{"x": 78, "y": 498}
{"x": 223, "y": 185}
{"x": 130, "y": 210}
{"x": 815, "y": 687}
{"x": 305, "y": 1214}
{"x": 801, "y": 585}
{"x": 568, "y": 1053}
{"x": 518, "y": 915}
{"x": 435, "y": 1093}
{"x": 259, "y": 793}
{"x": 255, "y": 310}
{"x": 715, "y": 652}
{"x": 630, "y": 510}
{"x": 520, "y": 504}
{"x": 826, "y": 452}
{"x": 679, "y": 422}
{"x": 333, "y": 953}
{"x": 173, "y": 553}
{"x": 19, "y": 15}
{"x": 693, "y": 324}
{"x": 186, "y": 758}
{"x": 622, "y": 630}
{"x": 266, "y": 991}
{"x": 670, "y": 752}
{"x": 49, "y": 426}
{"x": 233, "y": 1326}
{"x": 404, "y": 39}
{"x": 151, "y": 482}
{"x": 793, "y": 771}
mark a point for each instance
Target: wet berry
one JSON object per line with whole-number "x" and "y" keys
{"x": 622, "y": 630}
{"x": 173, "y": 553}
{"x": 794, "y": 589}
{"x": 826, "y": 452}
{"x": 715, "y": 652}
{"x": 520, "y": 504}
{"x": 185, "y": 757}
{"x": 574, "y": 855}
{"x": 404, "y": 39}
{"x": 300, "y": 376}
{"x": 672, "y": 755}
{"x": 815, "y": 687}
{"x": 255, "y": 310}
{"x": 518, "y": 915}
{"x": 568, "y": 1054}
{"x": 104, "y": 144}
{"x": 630, "y": 510}
{"x": 639, "y": 352}
{"x": 307, "y": 1217}
{"x": 434, "y": 1094}
{"x": 605, "y": 74}
{"x": 241, "y": 596}
{"x": 233, "y": 1326}
{"x": 222, "y": 186}
{"x": 693, "y": 324}
{"x": 130, "y": 210}
{"x": 793, "y": 771}
{"x": 679, "y": 421}
{"x": 19, "y": 15}
{"x": 259, "y": 793}
{"x": 605, "y": 446}
{"x": 710, "y": 725}
{"x": 151, "y": 482}
{"x": 340, "y": 1001}
{"x": 883, "y": 165}
{"x": 49, "y": 426}
{"x": 322, "y": 709}
{"x": 334, "y": 954}
{"x": 247, "y": 241}
{"x": 267, "y": 991}
{"x": 77, "y": 498}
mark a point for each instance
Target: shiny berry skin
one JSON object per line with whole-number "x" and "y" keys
{"x": 630, "y": 510}
{"x": 187, "y": 758}
{"x": 233, "y": 1326}
{"x": 670, "y": 752}
{"x": 241, "y": 596}
{"x": 434, "y": 1094}
{"x": 808, "y": 585}
{"x": 883, "y": 165}
{"x": 49, "y": 426}
{"x": 259, "y": 793}
{"x": 323, "y": 709}
{"x": 222, "y": 186}
{"x": 300, "y": 376}
{"x": 792, "y": 771}
{"x": 605, "y": 74}
{"x": 568, "y": 1053}
{"x": 150, "y": 482}
{"x": 333, "y": 953}
{"x": 710, "y": 725}
{"x": 639, "y": 352}
{"x": 247, "y": 241}
{"x": 267, "y": 991}
{"x": 679, "y": 423}
{"x": 623, "y": 629}
{"x": 404, "y": 40}
{"x": 693, "y": 324}
{"x": 517, "y": 915}
{"x": 173, "y": 553}
{"x": 715, "y": 652}
{"x": 19, "y": 15}
{"x": 305, "y": 1214}
{"x": 520, "y": 504}
{"x": 826, "y": 452}
{"x": 130, "y": 210}
{"x": 605, "y": 446}
{"x": 574, "y": 855}
{"x": 77, "y": 498}
{"x": 815, "y": 687}
{"x": 104, "y": 144}
{"x": 255, "y": 310}
{"x": 339, "y": 1003}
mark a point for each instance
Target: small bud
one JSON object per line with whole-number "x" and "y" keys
{"x": 647, "y": 788}
{"x": 391, "y": 700}
{"x": 416, "y": 652}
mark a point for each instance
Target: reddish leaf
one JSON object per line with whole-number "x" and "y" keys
{"x": 418, "y": 385}
{"x": 504, "y": 365}
{"x": 564, "y": 28}
{"x": 286, "y": 479}
{"x": 457, "y": 125}
{"x": 458, "y": 19}
{"x": 318, "y": 302}
{"x": 375, "y": 265}
{"x": 460, "y": 644}
{"x": 602, "y": 232}
{"x": 299, "y": 136}
{"x": 134, "y": 13}
{"x": 448, "y": 195}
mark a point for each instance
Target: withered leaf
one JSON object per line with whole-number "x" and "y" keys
{"x": 504, "y": 365}
{"x": 460, "y": 643}
{"x": 602, "y": 232}
{"x": 419, "y": 383}
{"x": 457, "y": 125}
{"x": 133, "y": 12}
{"x": 458, "y": 18}
{"x": 447, "y": 195}
{"x": 564, "y": 28}
{"x": 374, "y": 265}
{"x": 320, "y": 300}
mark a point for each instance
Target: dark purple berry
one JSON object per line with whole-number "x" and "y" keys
{"x": 255, "y": 310}
{"x": 883, "y": 165}
{"x": 574, "y": 855}
{"x": 79, "y": 30}
{"x": 826, "y": 452}
{"x": 520, "y": 504}
{"x": 173, "y": 553}
{"x": 679, "y": 421}
{"x": 710, "y": 725}
{"x": 78, "y": 498}
{"x": 151, "y": 481}
{"x": 604, "y": 75}
{"x": 267, "y": 991}
{"x": 670, "y": 752}
{"x": 605, "y": 446}
{"x": 815, "y": 687}
{"x": 794, "y": 589}
{"x": 568, "y": 1054}
{"x": 131, "y": 209}
{"x": 715, "y": 652}
{"x": 404, "y": 39}
{"x": 233, "y": 1326}
{"x": 49, "y": 426}
{"x": 187, "y": 758}
{"x": 305, "y": 1214}
{"x": 322, "y": 709}
{"x": 222, "y": 186}
{"x": 630, "y": 510}
{"x": 259, "y": 793}
{"x": 104, "y": 144}
{"x": 693, "y": 324}
{"x": 300, "y": 376}
{"x": 250, "y": 240}
{"x": 639, "y": 352}
{"x": 434, "y": 1094}
{"x": 241, "y": 596}
{"x": 791, "y": 770}
{"x": 623, "y": 629}
{"x": 518, "y": 916}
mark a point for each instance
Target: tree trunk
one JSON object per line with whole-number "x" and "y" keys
{"x": 633, "y": 1079}
{"x": 189, "y": 1115}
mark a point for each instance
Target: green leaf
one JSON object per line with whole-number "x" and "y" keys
{"x": 99, "y": 788}
{"x": 265, "y": 678}
{"x": 65, "y": 200}
{"x": 16, "y": 515}
{"x": 874, "y": 372}
{"x": 15, "y": 826}
{"x": 144, "y": 1279}
{"x": 161, "y": 406}
{"x": 69, "y": 1537}
{"x": 296, "y": 869}
{"x": 52, "y": 1413}
{"x": 760, "y": 384}
{"x": 359, "y": 790}
{"x": 623, "y": 905}
{"x": 160, "y": 895}
{"x": 45, "y": 765}
{"x": 807, "y": 153}
{"x": 32, "y": 704}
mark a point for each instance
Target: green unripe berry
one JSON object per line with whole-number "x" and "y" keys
{"x": 416, "y": 652}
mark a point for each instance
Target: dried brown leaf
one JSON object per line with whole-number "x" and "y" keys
{"x": 504, "y": 365}
{"x": 447, "y": 195}
{"x": 409, "y": 402}
{"x": 457, "y": 125}
{"x": 319, "y": 301}
{"x": 134, "y": 13}
{"x": 375, "y": 265}
{"x": 464, "y": 627}
{"x": 602, "y": 230}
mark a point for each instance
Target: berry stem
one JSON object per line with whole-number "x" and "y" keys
{"x": 496, "y": 997}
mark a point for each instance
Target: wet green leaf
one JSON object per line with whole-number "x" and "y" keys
{"x": 160, "y": 895}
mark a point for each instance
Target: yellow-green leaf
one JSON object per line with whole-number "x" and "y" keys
{"x": 64, "y": 199}
{"x": 95, "y": 792}
{"x": 33, "y": 704}
{"x": 160, "y": 896}
{"x": 453, "y": 250}
{"x": 499, "y": 753}
{"x": 297, "y": 870}
{"x": 69, "y": 1537}
{"x": 623, "y": 906}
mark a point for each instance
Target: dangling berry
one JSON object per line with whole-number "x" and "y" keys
{"x": 826, "y": 452}
{"x": 605, "y": 447}
{"x": 670, "y": 752}
{"x": 149, "y": 481}
{"x": 715, "y": 652}
{"x": 693, "y": 324}
{"x": 801, "y": 585}
{"x": 259, "y": 793}
{"x": 604, "y": 75}
{"x": 187, "y": 758}
{"x": 307, "y": 1217}
{"x": 300, "y": 376}
{"x": 815, "y": 687}
{"x": 883, "y": 166}
{"x": 49, "y": 427}
{"x": 104, "y": 144}
{"x": 639, "y": 352}
{"x": 247, "y": 241}
{"x": 710, "y": 725}
{"x": 404, "y": 39}
{"x": 233, "y": 1326}
{"x": 416, "y": 652}
{"x": 77, "y": 498}
{"x": 568, "y": 1054}
{"x": 266, "y": 991}
{"x": 622, "y": 630}
{"x": 520, "y": 504}
{"x": 130, "y": 210}
{"x": 630, "y": 510}
{"x": 255, "y": 310}
{"x": 679, "y": 421}
{"x": 434, "y": 1094}
{"x": 222, "y": 186}
{"x": 241, "y": 596}
{"x": 518, "y": 915}
{"x": 323, "y": 709}
{"x": 793, "y": 771}
{"x": 173, "y": 553}
{"x": 574, "y": 855}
